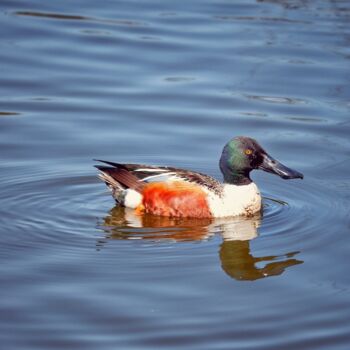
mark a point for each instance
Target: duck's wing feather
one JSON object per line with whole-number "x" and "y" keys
{"x": 137, "y": 175}
{"x": 118, "y": 177}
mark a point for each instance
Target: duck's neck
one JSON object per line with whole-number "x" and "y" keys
{"x": 238, "y": 178}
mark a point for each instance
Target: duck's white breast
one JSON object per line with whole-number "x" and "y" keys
{"x": 235, "y": 200}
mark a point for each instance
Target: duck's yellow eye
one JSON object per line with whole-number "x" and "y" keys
{"x": 248, "y": 151}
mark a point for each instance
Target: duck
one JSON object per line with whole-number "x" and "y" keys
{"x": 176, "y": 192}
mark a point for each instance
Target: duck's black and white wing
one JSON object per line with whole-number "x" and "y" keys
{"x": 135, "y": 176}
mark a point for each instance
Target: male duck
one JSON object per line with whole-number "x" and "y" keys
{"x": 169, "y": 191}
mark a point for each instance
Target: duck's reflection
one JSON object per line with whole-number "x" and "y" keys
{"x": 238, "y": 262}
{"x": 235, "y": 254}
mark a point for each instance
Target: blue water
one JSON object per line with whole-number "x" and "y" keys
{"x": 169, "y": 83}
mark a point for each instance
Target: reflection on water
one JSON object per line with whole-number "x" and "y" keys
{"x": 124, "y": 224}
{"x": 237, "y": 260}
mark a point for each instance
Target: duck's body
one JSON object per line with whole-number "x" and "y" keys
{"x": 174, "y": 192}
{"x": 178, "y": 192}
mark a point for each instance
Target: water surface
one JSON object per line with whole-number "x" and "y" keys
{"x": 169, "y": 83}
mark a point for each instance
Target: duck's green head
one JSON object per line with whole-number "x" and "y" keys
{"x": 243, "y": 154}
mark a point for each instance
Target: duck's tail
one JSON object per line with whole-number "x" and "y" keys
{"x": 118, "y": 179}
{"x": 114, "y": 186}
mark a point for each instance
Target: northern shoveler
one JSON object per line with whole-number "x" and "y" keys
{"x": 174, "y": 192}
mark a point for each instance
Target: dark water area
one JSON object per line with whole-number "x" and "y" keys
{"x": 169, "y": 83}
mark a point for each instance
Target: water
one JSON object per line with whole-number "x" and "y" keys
{"x": 169, "y": 83}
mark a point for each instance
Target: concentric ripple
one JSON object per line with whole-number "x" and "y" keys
{"x": 48, "y": 207}
{"x": 299, "y": 209}
{"x": 51, "y": 205}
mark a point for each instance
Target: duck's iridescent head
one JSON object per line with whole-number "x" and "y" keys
{"x": 243, "y": 154}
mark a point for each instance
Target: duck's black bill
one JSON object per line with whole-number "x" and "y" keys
{"x": 273, "y": 166}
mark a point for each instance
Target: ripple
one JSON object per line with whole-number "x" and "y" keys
{"x": 307, "y": 119}
{"x": 277, "y": 99}
{"x": 8, "y": 113}
{"x": 179, "y": 79}
{"x": 300, "y": 210}
{"x": 50, "y": 15}
{"x": 60, "y": 16}
{"x": 43, "y": 208}
{"x": 261, "y": 19}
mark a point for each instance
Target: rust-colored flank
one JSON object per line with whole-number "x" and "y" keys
{"x": 175, "y": 199}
